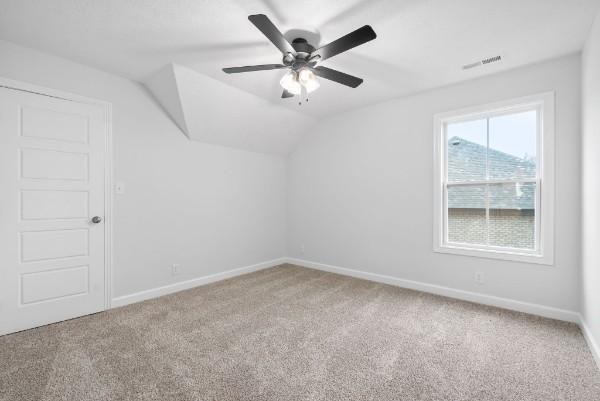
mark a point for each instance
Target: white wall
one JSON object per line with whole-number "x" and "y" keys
{"x": 590, "y": 271}
{"x": 208, "y": 208}
{"x": 360, "y": 190}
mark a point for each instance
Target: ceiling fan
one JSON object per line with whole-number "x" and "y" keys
{"x": 302, "y": 59}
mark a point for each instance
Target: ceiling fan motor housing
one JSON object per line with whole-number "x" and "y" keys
{"x": 300, "y": 59}
{"x": 302, "y": 46}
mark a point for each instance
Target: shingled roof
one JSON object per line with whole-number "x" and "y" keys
{"x": 467, "y": 162}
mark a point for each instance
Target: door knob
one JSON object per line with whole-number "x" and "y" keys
{"x": 96, "y": 219}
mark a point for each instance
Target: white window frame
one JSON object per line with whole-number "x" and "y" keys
{"x": 544, "y": 213}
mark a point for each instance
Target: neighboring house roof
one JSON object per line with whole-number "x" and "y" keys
{"x": 467, "y": 162}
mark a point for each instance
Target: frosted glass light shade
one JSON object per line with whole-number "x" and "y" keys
{"x": 290, "y": 83}
{"x": 308, "y": 80}
{"x": 312, "y": 85}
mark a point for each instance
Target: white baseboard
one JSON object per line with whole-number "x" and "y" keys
{"x": 534, "y": 309}
{"x": 589, "y": 338}
{"x": 185, "y": 285}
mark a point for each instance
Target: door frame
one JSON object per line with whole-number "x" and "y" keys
{"x": 108, "y": 167}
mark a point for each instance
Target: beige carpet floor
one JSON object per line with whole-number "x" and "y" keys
{"x": 290, "y": 333}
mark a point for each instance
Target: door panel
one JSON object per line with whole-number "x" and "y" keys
{"x": 54, "y": 284}
{"x": 51, "y": 205}
{"x": 52, "y": 154}
{"x": 50, "y": 124}
{"x": 53, "y": 244}
{"x": 54, "y": 165}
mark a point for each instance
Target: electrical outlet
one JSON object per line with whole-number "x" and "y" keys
{"x": 302, "y": 249}
{"x": 175, "y": 269}
{"x": 480, "y": 278}
{"x": 120, "y": 188}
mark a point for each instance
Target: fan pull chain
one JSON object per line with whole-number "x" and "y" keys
{"x": 303, "y": 94}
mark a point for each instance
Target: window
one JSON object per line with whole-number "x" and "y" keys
{"x": 494, "y": 180}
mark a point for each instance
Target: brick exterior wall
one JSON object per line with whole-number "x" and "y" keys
{"x": 508, "y": 227}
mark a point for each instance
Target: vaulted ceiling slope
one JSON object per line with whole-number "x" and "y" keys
{"x": 210, "y": 111}
{"x": 421, "y": 44}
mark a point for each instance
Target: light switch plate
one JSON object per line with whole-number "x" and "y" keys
{"x": 120, "y": 188}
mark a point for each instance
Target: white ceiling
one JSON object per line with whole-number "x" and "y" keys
{"x": 421, "y": 43}
{"x": 209, "y": 111}
{"x": 178, "y": 47}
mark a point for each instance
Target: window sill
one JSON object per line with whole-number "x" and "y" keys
{"x": 512, "y": 256}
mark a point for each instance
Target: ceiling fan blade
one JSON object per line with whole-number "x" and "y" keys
{"x": 286, "y": 94}
{"x": 264, "y": 24}
{"x": 249, "y": 68}
{"x": 346, "y": 42}
{"x": 337, "y": 76}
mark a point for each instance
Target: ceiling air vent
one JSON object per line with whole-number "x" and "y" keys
{"x": 485, "y": 61}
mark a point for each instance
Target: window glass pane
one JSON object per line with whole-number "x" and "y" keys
{"x": 466, "y": 214}
{"x": 466, "y": 152}
{"x": 512, "y": 215}
{"x": 512, "y": 153}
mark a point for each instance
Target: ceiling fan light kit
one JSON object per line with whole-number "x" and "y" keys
{"x": 302, "y": 59}
{"x": 308, "y": 79}
{"x": 290, "y": 83}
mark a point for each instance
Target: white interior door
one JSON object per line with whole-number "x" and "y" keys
{"x": 52, "y": 155}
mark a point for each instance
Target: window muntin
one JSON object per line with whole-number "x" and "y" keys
{"x": 489, "y": 199}
{"x": 491, "y": 177}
